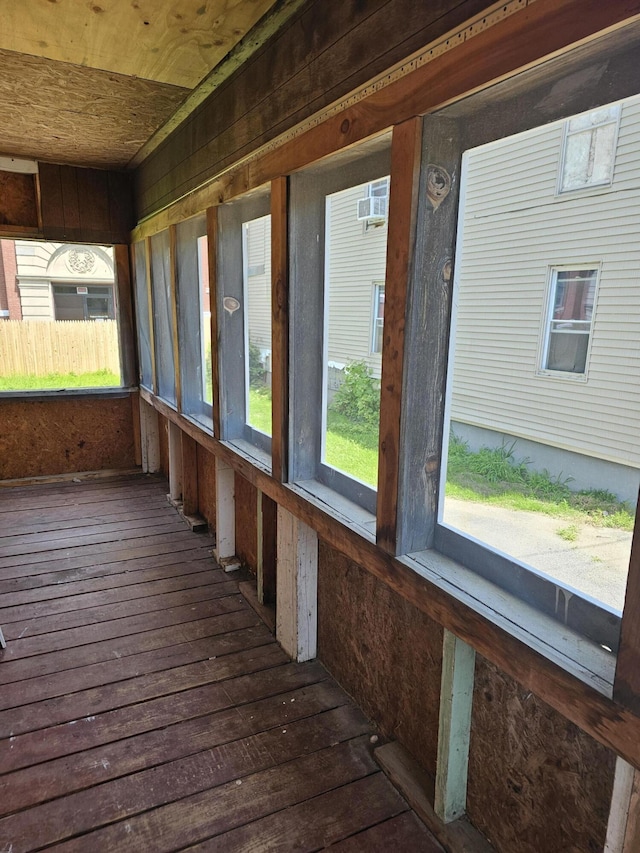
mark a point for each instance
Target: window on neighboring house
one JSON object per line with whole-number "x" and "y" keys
{"x": 589, "y": 149}
{"x": 569, "y": 320}
{"x": 61, "y": 308}
{"x": 378, "y": 318}
{"x": 373, "y": 208}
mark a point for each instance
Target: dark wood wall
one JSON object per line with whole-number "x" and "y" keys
{"x": 65, "y": 203}
{"x": 320, "y": 56}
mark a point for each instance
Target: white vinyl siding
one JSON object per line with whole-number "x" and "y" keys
{"x": 357, "y": 262}
{"x": 257, "y": 244}
{"x": 514, "y": 230}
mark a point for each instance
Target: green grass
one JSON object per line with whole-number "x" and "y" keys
{"x": 490, "y": 476}
{"x": 59, "y": 381}
{"x": 260, "y": 409}
{"x": 495, "y": 476}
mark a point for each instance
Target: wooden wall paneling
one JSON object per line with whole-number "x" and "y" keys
{"x": 212, "y": 254}
{"x": 190, "y": 505}
{"x": 280, "y": 328}
{"x": 137, "y": 429}
{"x": 93, "y": 202}
{"x": 626, "y": 688}
{"x": 19, "y": 209}
{"x": 206, "y": 484}
{"x": 149, "y": 438}
{"x": 50, "y": 198}
{"x": 126, "y": 321}
{"x": 406, "y": 154}
{"x": 623, "y": 830}
{"x": 152, "y": 332}
{"x": 428, "y": 316}
{"x": 297, "y": 590}
{"x": 517, "y": 42}
{"x": 70, "y": 203}
{"x": 174, "y": 315}
{"x": 247, "y": 522}
{"x": 225, "y": 548}
{"x": 454, "y": 726}
{"x": 313, "y": 62}
{"x": 121, "y": 218}
{"x": 175, "y": 462}
{"x": 549, "y": 674}
{"x": 267, "y": 543}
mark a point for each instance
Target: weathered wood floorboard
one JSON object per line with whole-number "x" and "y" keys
{"x": 143, "y": 705}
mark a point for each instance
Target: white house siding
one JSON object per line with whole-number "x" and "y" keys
{"x": 515, "y": 229}
{"x": 36, "y": 300}
{"x": 355, "y": 263}
{"x": 258, "y": 285}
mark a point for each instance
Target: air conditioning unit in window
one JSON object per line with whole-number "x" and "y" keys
{"x": 373, "y": 208}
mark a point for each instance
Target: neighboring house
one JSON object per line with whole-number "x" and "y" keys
{"x": 54, "y": 281}
{"x": 547, "y": 341}
{"x": 355, "y": 256}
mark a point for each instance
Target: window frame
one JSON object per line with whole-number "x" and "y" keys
{"x": 545, "y": 339}
{"x": 567, "y": 133}
{"x": 232, "y": 325}
{"x": 309, "y": 190}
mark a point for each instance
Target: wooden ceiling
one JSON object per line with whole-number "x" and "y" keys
{"x": 88, "y": 82}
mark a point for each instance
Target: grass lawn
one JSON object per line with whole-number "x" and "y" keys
{"x": 59, "y": 381}
{"x": 490, "y": 476}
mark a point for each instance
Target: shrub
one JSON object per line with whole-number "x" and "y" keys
{"x": 256, "y": 367}
{"x": 358, "y": 397}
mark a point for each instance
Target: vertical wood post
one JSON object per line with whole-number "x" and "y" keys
{"x": 623, "y": 829}
{"x": 297, "y": 587}
{"x": 225, "y": 511}
{"x": 175, "y": 462}
{"x": 149, "y": 438}
{"x": 406, "y": 152}
{"x": 135, "y": 420}
{"x": 279, "y": 329}
{"x": 189, "y": 475}
{"x": 626, "y": 686}
{"x": 126, "y": 324}
{"x": 456, "y": 698}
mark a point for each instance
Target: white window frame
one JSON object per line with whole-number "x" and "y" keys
{"x": 616, "y": 110}
{"x": 378, "y": 288}
{"x": 552, "y": 281}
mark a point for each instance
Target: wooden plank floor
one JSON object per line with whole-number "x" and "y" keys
{"x": 145, "y": 707}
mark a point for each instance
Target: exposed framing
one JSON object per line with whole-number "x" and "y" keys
{"x": 549, "y": 26}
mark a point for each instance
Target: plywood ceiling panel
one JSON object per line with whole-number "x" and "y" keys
{"x": 169, "y": 41}
{"x": 68, "y": 114}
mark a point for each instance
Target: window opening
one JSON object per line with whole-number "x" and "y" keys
{"x": 354, "y": 259}
{"x": 58, "y": 317}
{"x": 256, "y": 249}
{"x": 542, "y": 477}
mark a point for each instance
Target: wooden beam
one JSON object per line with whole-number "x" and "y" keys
{"x": 623, "y": 829}
{"x": 517, "y": 653}
{"x": 279, "y": 328}
{"x": 137, "y": 434}
{"x": 626, "y": 687}
{"x": 126, "y": 323}
{"x": 406, "y": 152}
{"x": 543, "y": 29}
{"x": 297, "y": 591}
{"x": 454, "y": 727}
{"x": 190, "y": 504}
{"x": 212, "y": 255}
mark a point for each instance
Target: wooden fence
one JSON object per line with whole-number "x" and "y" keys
{"x": 39, "y": 347}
